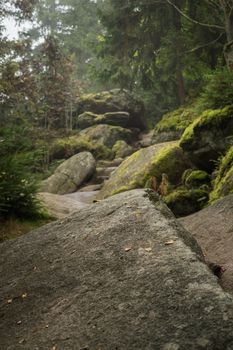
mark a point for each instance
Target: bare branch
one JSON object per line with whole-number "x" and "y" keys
{"x": 205, "y": 45}
{"x": 193, "y": 20}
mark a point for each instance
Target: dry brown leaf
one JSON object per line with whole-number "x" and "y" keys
{"x": 169, "y": 242}
{"x": 127, "y": 249}
{"x": 148, "y": 249}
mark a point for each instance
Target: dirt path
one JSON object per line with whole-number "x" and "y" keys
{"x": 213, "y": 229}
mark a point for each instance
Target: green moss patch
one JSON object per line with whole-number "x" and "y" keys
{"x": 183, "y": 202}
{"x": 197, "y": 178}
{"x": 177, "y": 120}
{"x": 208, "y": 137}
{"x": 223, "y": 183}
{"x": 209, "y": 119}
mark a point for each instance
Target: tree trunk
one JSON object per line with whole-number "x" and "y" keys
{"x": 178, "y": 50}
{"x": 228, "y": 19}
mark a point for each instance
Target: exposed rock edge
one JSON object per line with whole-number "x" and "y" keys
{"x": 119, "y": 274}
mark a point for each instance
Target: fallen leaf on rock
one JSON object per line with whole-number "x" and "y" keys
{"x": 148, "y": 249}
{"x": 169, "y": 242}
{"x": 127, "y": 249}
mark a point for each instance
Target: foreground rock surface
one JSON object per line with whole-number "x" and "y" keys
{"x": 70, "y": 174}
{"x": 120, "y": 274}
{"x": 213, "y": 229}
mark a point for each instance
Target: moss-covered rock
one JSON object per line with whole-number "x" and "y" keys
{"x": 183, "y": 202}
{"x": 209, "y": 136}
{"x": 173, "y": 124}
{"x": 223, "y": 183}
{"x": 140, "y": 166}
{"x": 114, "y": 101}
{"x": 196, "y": 179}
{"x": 68, "y": 146}
{"x": 121, "y": 149}
{"x": 88, "y": 119}
{"x": 106, "y": 134}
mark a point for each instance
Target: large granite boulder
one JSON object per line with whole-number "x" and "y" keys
{"x": 114, "y": 101}
{"x": 119, "y": 274}
{"x": 87, "y": 119}
{"x": 212, "y": 228}
{"x": 155, "y": 160}
{"x": 59, "y": 206}
{"x": 106, "y": 134}
{"x": 70, "y": 174}
{"x": 208, "y": 137}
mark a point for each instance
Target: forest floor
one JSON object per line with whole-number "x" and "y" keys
{"x": 213, "y": 229}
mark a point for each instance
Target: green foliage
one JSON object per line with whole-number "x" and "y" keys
{"x": 218, "y": 90}
{"x": 17, "y": 187}
{"x": 223, "y": 182}
{"x": 17, "y": 190}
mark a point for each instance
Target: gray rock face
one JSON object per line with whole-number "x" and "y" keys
{"x": 87, "y": 119}
{"x": 70, "y": 174}
{"x": 164, "y": 136}
{"x": 115, "y": 100}
{"x": 119, "y": 274}
{"x": 107, "y": 134}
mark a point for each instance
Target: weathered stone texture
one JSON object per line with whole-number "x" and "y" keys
{"x": 119, "y": 274}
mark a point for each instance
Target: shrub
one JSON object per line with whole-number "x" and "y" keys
{"x": 17, "y": 190}
{"x": 218, "y": 91}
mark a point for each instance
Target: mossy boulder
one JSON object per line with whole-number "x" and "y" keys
{"x": 121, "y": 149}
{"x": 208, "y": 137}
{"x": 140, "y": 166}
{"x": 116, "y": 100}
{"x": 106, "y": 134}
{"x": 173, "y": 124}
{"x": 64, "y": 148}
{"x": 88, "y": 119}
{"x": 70, "y": 174}
{"x": 223, "y": 182}
{"x": 196, "y": 179}
{"x": 183, "y": 201}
